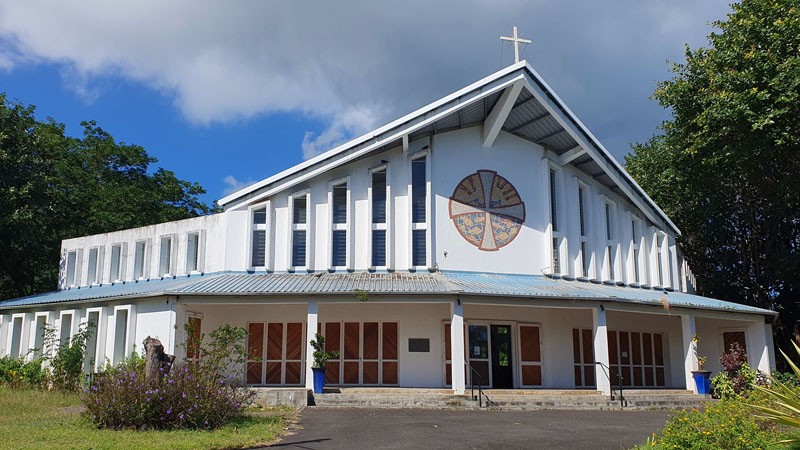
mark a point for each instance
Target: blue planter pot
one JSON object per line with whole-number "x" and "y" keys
{"x": 702, "y": 379}
{"x": 319, "y": 379}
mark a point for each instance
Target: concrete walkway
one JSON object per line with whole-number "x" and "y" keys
{"x": 386, "y": 428}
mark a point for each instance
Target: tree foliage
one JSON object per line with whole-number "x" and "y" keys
{"x": 726, "y": 167}
{"x": 54, "y": 187}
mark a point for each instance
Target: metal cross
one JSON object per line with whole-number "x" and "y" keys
{"x": 516, "y": 40}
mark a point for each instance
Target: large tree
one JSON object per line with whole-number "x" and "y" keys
{"x": 53, "y": 187}
{"x": 726, "y": 166}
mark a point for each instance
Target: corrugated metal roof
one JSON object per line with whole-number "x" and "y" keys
{"x": 144, "y": 288}
{"x": 321, "y": 283}
{"x": 419, "y": 283}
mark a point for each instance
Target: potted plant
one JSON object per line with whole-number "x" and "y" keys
{"x": 702, "y": 378}
{"x": 321, "y": 357}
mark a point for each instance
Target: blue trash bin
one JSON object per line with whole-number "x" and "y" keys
{"x": 702, "y": 379}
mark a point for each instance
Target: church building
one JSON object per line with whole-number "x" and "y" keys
{"x": 487, "y": 237}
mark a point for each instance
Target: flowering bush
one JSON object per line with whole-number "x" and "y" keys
{"x": 16, "y": 373}
{"x": 729, "y": 424}
{"x": 194, "y": 394}
{"x": 737, "y": 377}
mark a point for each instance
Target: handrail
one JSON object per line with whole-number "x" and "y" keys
{"x": 608, "y": 372}
{"x": 481, "y": 394}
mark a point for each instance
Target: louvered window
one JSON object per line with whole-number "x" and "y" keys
{"x": 378, "y": 193}
{"x": 340, "y": 218}
{"x": 258, "y": 244}
{"x": 299, "y": 230}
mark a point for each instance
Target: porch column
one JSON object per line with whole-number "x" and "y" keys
{"x": 600, "y": 333}
{"x": 758, "y": 345}
{"x": 689, "y": 350}
{"x": 311, "y": 330}
{"x": 770, "y": 348}
{"x": 457, "y": 347}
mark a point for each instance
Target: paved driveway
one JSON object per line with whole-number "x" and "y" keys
{"x": 387, "y": 428}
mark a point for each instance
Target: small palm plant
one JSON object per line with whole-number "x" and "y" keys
{"x": 787, "y": 400}
{"x": 321, "y": 356}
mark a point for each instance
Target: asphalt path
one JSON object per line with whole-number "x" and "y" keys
{"x": 319, "y": 428}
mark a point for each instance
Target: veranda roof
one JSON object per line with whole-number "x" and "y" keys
{"x": 379, "y": 283}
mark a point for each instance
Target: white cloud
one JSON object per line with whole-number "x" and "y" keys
{"x": 220, "y": 62}
{"x": 232, "y": 185}
{"x": 344, "y": 126}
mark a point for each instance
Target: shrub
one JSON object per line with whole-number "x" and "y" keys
{"x": 16, "y": 373}
{"x": 66, "y": 363}
{"x": 728, "y": 424}
{"x": 738, "y": 377}
{"x": 193, "y": 394}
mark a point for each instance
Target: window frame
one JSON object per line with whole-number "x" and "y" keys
{"x": 265, "y": 227}
{"x": 199, "y": 252}
{"x": 387, "y": 225}
{"x": 73, "y": 280}
{"x": 299, "y": 227}
{"x": 98, "y": 266}
{"x": 346, "y": 226}
{"x": 420, "y": 226}
{"x": 120, "y": 274}
{"x": 147, "y": 250}
{"x": 584, "y": 214}
{"x": 173, "y": 260}
{"x": 611, "y": 273}
{"x": 557, "y": 236}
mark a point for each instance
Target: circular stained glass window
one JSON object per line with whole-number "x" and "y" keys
{"x": 487, "y": 210}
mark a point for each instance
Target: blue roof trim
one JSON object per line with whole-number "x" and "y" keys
{"x": 110, "y": 291}
{"x": 382, "y": 283}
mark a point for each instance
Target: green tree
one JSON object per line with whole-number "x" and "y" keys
{"x": 726, "y": 166}
{"x": 54, "y": 187}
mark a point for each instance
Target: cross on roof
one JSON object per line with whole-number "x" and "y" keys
{"x": 516, "y": 40}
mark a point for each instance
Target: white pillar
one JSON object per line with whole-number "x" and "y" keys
{"x": 600, "y": 333}
{"x": 457, "y": 347}
{"x": 759, "y": 339}
{"x": 689, "y": 330}
{"x": 311, "y": 330}
{"x": 770, "y": 348}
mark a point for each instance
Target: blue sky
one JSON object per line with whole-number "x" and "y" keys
{"x": 228, "y": 93}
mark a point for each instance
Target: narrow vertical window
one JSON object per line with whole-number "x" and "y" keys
{"x": 193, "y": 252}
{"x": 139, "y": 259}
{"x": 115, "y": 272}
{"x": 379, "y": 224}
{"x": 258, "y": 245}
{"x": 120, "y": 335}
{"x": 636, "y": 238}
{"x": 585, "y": 256}
{"x": 585, "y": 259}
{"x": 659, "y": 260}
{"x": 339, "y": 225}
{"x": 72, "y": 261}
{"x": 299, "y": 230}
{"x": 610, "y": 246}
{"x": 165, "y": 263}
{"x": 419, "y": 213}
{"x": 94, "y": 262}
{"x": 581, "y": 211}
{"x": 16, "y": 337}
{"x": 556, "y": 259}
{"x": 553, "y": 201}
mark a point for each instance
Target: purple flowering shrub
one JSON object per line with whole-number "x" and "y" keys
{"x": 197, "y": 394}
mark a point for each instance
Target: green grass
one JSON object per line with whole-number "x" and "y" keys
{"x": 33, "y": 420}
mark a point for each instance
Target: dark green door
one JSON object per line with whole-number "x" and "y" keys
{"x": 502, "y": 374}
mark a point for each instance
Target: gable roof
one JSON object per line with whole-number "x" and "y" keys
{"x": 535, "y": 113}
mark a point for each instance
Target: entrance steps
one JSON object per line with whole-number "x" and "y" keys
{"x": 511, "y": 399}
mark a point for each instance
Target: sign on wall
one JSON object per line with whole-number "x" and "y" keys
{"x": 487, "y": 210}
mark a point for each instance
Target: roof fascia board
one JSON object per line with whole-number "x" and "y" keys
{"x": 599, "y": 146}
{"x": 480, "y": 84}
{"x": 286, "y": 182}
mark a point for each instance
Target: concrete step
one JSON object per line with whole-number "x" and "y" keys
{"x": 503, "y": 401}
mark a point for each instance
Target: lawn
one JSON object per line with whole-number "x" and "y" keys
{"x": 32, "y": 419}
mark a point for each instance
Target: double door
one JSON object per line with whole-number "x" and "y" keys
{"x": 497, "y": 352}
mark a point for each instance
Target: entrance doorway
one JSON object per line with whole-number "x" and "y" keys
{"x": 502, "y": 374}
{"x": 490, "y": 352}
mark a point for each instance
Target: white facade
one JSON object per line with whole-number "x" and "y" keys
{"x": 485, "y": 196}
